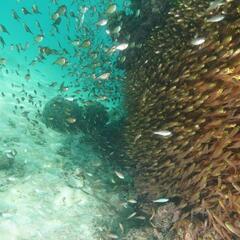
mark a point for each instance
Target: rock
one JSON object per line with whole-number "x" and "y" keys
{"x": 7, "y": 159}
{"x": 75, "y": 179}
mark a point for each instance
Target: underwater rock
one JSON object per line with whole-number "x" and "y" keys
{"x": 75, "y": 179}
{"x": 7, "y": 159}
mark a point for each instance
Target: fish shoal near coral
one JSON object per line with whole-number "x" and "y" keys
{"x": 186, "y": 81}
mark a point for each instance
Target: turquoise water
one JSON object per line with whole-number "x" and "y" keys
{"x": 57, "y": 184}
{"x": 82, "y": 27}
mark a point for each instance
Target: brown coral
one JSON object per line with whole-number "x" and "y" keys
{"x": 194, "y": 92}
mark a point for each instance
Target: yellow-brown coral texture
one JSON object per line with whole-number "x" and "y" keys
{"x": 194, "y": 92}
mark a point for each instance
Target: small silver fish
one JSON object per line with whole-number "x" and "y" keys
{"x": 216, "y": 18}
{"x": 215, "y": 5}
{"x": 163, "y": 133}
{"x": 122, "y": 46}
{"x": 120, "y": 175}
{"x": 140, "y": 217}
{"x": 161, "y": 200}
{"x": 198, "y": 41}
{"x": 86, "y": 44}
{"x": 39, "y": 38}
{"x": 116, "y": 30}
{"x": 121, "y": 227}
{"x": 111, "y": 9}
{"x": 132, "y": 215}
{"x": 76, "y": 42}
{"x": 112, "y": 236}
{"x": 102, "y": 22}
{"x": 62, "y": 61}
{"x": 104, "y": 76}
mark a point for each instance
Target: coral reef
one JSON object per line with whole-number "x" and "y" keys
{"x": 186, "y": 81}
{"x": 103, "y": 129}
{"x": 96, "y": 116}
{"x": 140, "y": 234}
{"x": 164, "y": 217}
{"x": 63, "y": 115}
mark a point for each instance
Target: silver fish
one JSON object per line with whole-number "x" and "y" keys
{"x": 198, "y": 41}
{"x": 216, "y": 18}
{"x": 163, "y": 133}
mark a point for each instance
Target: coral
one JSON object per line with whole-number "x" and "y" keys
{"x": 193, "y": 91}
{"x": 67, "y": 116}
{"x": 63, "y": 115}
{"x": 96, "y": 116}
{"x": 164, "y": 217}
{"x": 140, "y": 234}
